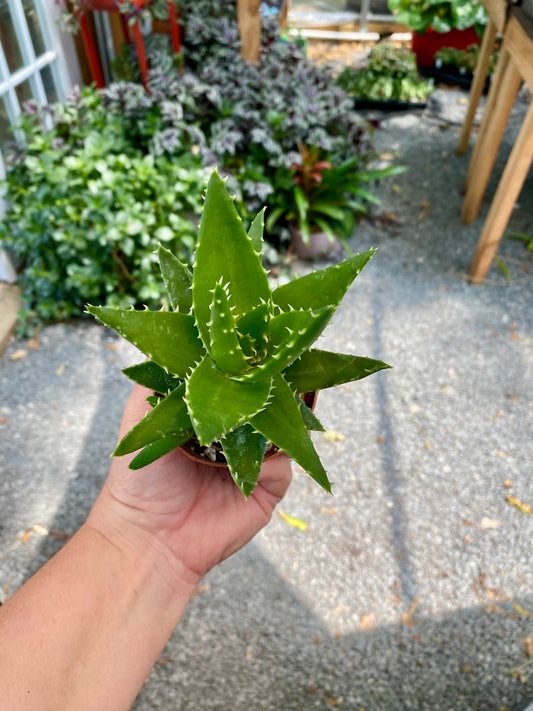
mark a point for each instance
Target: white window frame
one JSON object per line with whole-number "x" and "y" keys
{"x": 55, "y": 44}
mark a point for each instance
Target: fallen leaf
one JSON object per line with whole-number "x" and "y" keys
{"x": 36, "y": 528}
{"x": 312, "y": 687}
{"x": 521, "y": 611}
{"x": 519, "y": 674}
{"x": 41, "y": 530}
{"x": 520, "y": 505}
{"x": 490, "y": 522}
{"x": 34, "y": 343}
{"x": 317, "y": 639}
{"x": 18, "y": 354}
{"x": 528, "y": 646}
{"x": 407, "y": 617}
{"x": 60, "y": 370}
{"x": 380, "y": 439}
{"x": 292, "y": 521}
{"x": 333, "y": 436}
{"x": 367, "y": 621}
{"x": 426, "y": 207}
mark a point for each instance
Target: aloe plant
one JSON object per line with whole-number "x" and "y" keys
{"x": 229, "y": 358}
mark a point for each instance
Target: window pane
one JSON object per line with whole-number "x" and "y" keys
{"x": 24, "y": 92}
{"x": 6, "y": 134}
{"x": 8, "y": 38}
{"x": 49, "y": 85}
{"x": 34, "y": 27}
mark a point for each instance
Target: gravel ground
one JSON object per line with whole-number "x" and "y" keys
{"x": 412, "y": 586}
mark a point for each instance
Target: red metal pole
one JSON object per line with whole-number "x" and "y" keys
{"x": 175, "y": 33}
{"x": 141, "y": 54}
{"x": 90, "y": 49}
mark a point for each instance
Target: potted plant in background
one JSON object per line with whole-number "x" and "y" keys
{"x": 440, "y": 23}
{"x": 319, "y": 200}
{"x": 388, "y": 80}
{"x": 457, "y": 66}
{"x": 229, "y": 358}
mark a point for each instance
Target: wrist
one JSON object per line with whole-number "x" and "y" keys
{"x": 129, "y": 533}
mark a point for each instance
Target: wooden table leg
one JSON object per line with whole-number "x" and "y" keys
{"x": 489, "y": 140}
{"x": 504, "y": 200}
{"x": 478, "y": 84}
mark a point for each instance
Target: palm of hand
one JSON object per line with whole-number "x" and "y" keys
{"x": 197, "y": 512}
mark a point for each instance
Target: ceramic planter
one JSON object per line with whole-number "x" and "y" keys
{"x": 319, "y": 244}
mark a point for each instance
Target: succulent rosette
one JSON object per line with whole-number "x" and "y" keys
{"x": 229, "y": 358}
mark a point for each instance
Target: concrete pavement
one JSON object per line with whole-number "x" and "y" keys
{"x": 412, "y": 586}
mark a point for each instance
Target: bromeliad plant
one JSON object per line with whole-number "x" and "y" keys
{"x": 229, "y": 358}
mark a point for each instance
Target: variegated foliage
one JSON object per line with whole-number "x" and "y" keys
{"x": 229, "y": 358}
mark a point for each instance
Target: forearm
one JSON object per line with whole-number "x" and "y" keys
{"x": 84, "y": 632}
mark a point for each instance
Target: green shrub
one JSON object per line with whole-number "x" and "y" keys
{"x": 87, "y": 210}
{"x": 390, "y": 74}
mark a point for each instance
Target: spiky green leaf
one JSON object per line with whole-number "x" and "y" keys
{"x": 290, "y": 334}
{"x": 316, "y": 370}
{"x": 158, "y": 449}
{"x": 169, "y": 338}
{"x": 152, "y": 376}
{"x": 311, "y": 421}
{"x": 244, "y": 449}
{"x": 225, "y": 254}
{"x": 225, "y": 348}
{"x": 324, "y": 287}
{"x": 169, "y": 417}
{"x": 255, "y": 233}
{"x": 281, "y": 422}
{"x": 218, "y": 404}
{"x": 178, "y": 280}
{"x": 255, "y": 324}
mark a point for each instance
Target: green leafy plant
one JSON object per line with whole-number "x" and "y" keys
{"x": 86, "y": 210}
{"x": 440, "y": 15}
{"x": 389, "y": 74}
{"x": 463, "y": 60}
{"x": 231, "y": 358}
{"x": 317, "y": 195}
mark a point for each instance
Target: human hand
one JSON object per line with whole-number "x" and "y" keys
{"x": 193, "y": 515}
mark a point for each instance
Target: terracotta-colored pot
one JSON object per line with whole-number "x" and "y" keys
{"x": 188, "y": 449}
{"x": 426, "y": 45}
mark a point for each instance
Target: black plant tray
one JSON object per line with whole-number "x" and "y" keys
{"x": 450, "y": 75}
{"x": 389, "y": 105}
